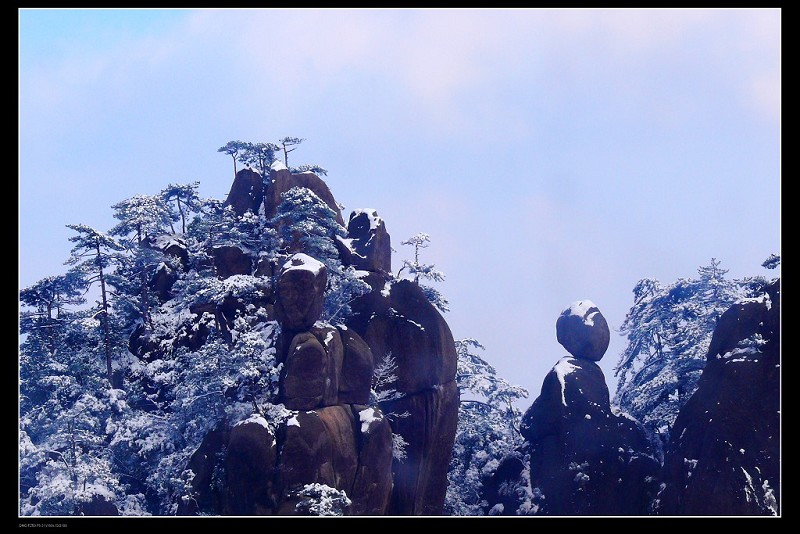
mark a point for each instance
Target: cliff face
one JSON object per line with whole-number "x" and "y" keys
{"x": 724, "y": 457}
{"x": 332, "y": 431}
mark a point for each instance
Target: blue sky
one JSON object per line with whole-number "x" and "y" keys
{"x": 552, "y": 155}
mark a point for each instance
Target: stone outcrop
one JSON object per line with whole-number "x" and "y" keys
{"x": 332, "y": 431}
{"x": 300, "y": 292}
{"x": 247, "y": 192}
{"x": 229, "y": 261}
{"x": 400, "y": 323}
{"x": 282, "y": 180}
{"x": 579, "y": 456}
{"x": 368, "y": 243}
{"x": 724, "y": 454}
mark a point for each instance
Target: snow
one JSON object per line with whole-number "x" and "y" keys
{"x": 293, "y": 421}
{"x": 580, "y": 308}
{"x": 366, "y": 417}
{"x": 255, "y": 418}
{"x": 497, "y": 509}
{"x": 165, "y": 241}
{"x": 303, "y": 262}
{"x": 278, "y": 165}
{"x": 763, "y": 299}
{"x": 749, "y": 490}
{"x": 328, "y": 338}
{"x": 374, "y": 220}
{"x": 387, "y": 288}
{"x": 348, "y": 242}
{"x": 562, "y": 369}
{"x": 360, "y": 274}
{"x": 416, "y": 324}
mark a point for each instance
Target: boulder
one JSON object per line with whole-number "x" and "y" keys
{"x": 281, "y": 180}
{"x": 300, "y": 292}
{"x": 319, "y": 446}
{"x": 162, "y": 281}
{"x": 368, "y": 242}
{"x": 724, "y": 455}
{"x": 247, "y": 192}
{"x": 582, "y": 457}
{"x": 206, "y": 460}
{"x": 583, "y": 330}
{"x": 400, "y": 322}
{"x": 355, "y": 379}
{"x": 250, "y": 468}
{"x": 229, "y": 261}
{"x": 305, "y": 381}
{"x": 171, "y": 245}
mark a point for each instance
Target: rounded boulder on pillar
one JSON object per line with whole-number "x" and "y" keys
{"x": 583, "y": 330}
{"x": 300, "y": 292}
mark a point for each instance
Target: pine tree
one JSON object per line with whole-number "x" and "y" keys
{"x": 92, "y": 257}
{"x": 428, "y": 272}
{"x": 259, "y": 156}
{"x": 669, "y": 329}
{"x": 305, "y": 223}
{"x": 186, "y": 201}
{"x": 235, "y": 149}
{"x": 287, "y": 142}
{"x": 488, "y": 429}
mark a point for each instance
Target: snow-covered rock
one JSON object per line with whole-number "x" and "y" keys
{"x": 247, "y": 192}
{"x": 300, "y": 292}
{"x": 724, "y": 452}
{"x": 369, "y": 242}
{"x": 583, "y": 330}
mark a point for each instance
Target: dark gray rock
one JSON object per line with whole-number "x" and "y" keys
{"x": 724, "y": 454}
{"x": 369, "y": 243}
{"x": 247, "y": 192}
{"x": 357, "y": 366}
{"x": 250, "y": 469}
{"x": 583, "y": 330}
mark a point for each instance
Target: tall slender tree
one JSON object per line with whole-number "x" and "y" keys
{"x": 186, "y": 199}
{"x": 92, "y": 257}
{"x": 287, "y": 142}
{"x": 235, "y": 149}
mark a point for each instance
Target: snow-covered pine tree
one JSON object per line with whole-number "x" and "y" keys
{"x": 259, "y": 156}
{"x": 488, "y": 429}
{"x": 140, "y": 216}
{"x": 186, "y": 200}
{"x": 305, "y": 223}
{"x": 428, "y": 272}
{"x": 65, "y": 404}
{"x": 668, "y": 329}
{"x": 93, "y": 256}
{"x": 235, "y": 149}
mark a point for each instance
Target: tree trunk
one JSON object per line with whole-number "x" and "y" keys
{"x": 183, "y": 217}
{"x": 106, "y": 330}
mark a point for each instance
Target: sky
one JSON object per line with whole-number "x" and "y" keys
{"x": 552, "y": 155}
